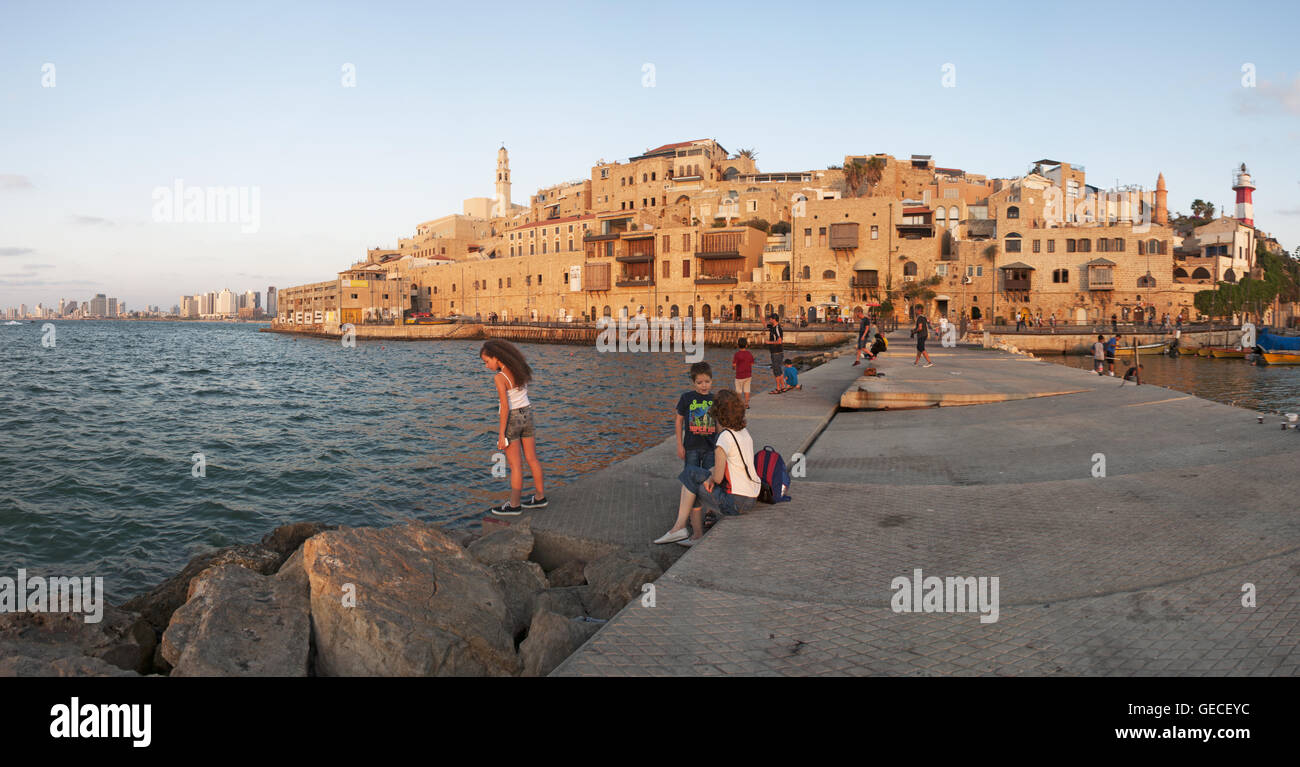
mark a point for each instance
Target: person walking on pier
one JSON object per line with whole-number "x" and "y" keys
{"x": 921, "y": 330}
{"x": 1111, "y": 346}
{"x": 516, "y": 423}
{"x": 1099, "y": 355}
{"x": 743, "y": 363}
{"x": 729, "y": 487}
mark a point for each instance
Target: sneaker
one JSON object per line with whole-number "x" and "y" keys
{"x": 673, "y": 537}
{"x": 928, "y": 365}
{"x": 506, "y": 510}
{"x": 858, "y": 362}
{"x": 1112, "y": 374}
{"x": 534, "y": 502}
{"x": 688, "y": 542}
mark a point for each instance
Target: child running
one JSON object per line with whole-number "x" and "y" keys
{"x": 743, "y": 363}
{"x": 730, "y": 487}
{"x": 516, "y": 423}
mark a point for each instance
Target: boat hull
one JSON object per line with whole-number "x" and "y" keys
{"x": 1282, "y": 358}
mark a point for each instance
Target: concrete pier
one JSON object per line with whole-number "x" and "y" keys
{"x": 1133, "y": 530}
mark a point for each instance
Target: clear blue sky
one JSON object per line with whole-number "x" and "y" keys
{"x": 249, "y": 94}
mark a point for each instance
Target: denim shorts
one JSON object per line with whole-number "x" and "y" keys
{"x": 718, "y": 500}
{"x": 520, "y": 423}
{"x": 702, "y": 458}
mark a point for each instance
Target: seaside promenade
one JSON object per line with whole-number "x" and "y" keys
{"x": 1140, "y": 571}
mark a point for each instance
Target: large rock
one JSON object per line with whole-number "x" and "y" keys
{"x": 419, "y": 605}
{"x": 158, "y": 605}
{"x": 286, "y": 539}
{"x": 121, "y": 638}
{"x": 521, "y": 582}
{"x": 511, "y": 543}
{"x": 551, "y": 639}
{"x": 239, "y": 623}
{"x": 567, "y": 602}
{"x": 568, "y": 574}
{"x": 64, "y": 660}
{"x": 615, "y": 580}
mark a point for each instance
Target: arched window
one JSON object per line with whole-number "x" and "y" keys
{"x": 644, "y": 177}
{"x": 785, "y": 275}
{"x": 1229, "y": 276}
{"x": 690, "y": 310}
{"x": 1153, "y": 247}
{"x": 909, "y": 269}
{"x": 940, "y": 215}
{"x": 807, "y": 297}
{"x": 672, "y": 311}
{"x": 1013, "y": 243}
{"x": 829, "y": 274}
{"x": 952, "y": 216}
{"x": 780, "y": 311}
{"x": 606, "y": 312}
{"x": 1201, "y": 273}
{"x": 1180, "y": 273}
{"x": 1013, "y": 212}
{"x": 1146, "y": 281}
{"x": 767, "y": 310}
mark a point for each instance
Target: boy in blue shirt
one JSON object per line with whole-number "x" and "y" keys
{"x": 791, "y": 375}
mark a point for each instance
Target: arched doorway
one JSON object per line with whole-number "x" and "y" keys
{"x": 690, "y": 310}
{"x": 606, "y": 312}
{"x": 672, "y": 311}
{"x": 812, "y": 314}
{"x": 740, "y": 313}
{"x": 707, "y": 313}
{"x": 780, "y": 311}
{"x": 975, "y": 313}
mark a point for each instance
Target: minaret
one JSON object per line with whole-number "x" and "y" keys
{"x": 1243, "y": 186}
{"x": 503, "y": 183}
{"x": 1162, "y": 201}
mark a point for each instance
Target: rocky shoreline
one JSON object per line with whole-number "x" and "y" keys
{"x": 315, "y": 600}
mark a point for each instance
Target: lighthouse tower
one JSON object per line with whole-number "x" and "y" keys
{"x": 1243, "y": 186}
{"x": 503, "y": 183}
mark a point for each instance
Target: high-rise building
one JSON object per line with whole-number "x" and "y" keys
{"x": 271, "y": 304}
{"x": 226, "y": 304}
{"x": 112, "y": 308}
{"x": 99, "y": 305}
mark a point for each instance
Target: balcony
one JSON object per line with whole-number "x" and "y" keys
{"x": 716, "y": 279}
{"x": 720, "y": 245}
{"x": 844, "y": 236}
{"x": 865, "y": 281}
{"x": 593, "y": 237}
{"x": 1101, "y": 274}
{"x": 634, "y": 282}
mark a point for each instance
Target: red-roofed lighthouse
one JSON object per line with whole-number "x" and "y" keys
{"x": 1243, "y": 186}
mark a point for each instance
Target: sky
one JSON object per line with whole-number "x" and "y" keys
{"x": 106, "y": 108}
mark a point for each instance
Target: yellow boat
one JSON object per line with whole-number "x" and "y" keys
{"x": 1282, "y": 358}
{"x": 1203, "y": 351}
{"x": 1188, "y": 351}
{"x": 1226, "y": 352}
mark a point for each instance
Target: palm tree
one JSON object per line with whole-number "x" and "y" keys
{"x": 874, "y": 171}
{"x": 748, "y": 154}
{"x": 855, "y": 174}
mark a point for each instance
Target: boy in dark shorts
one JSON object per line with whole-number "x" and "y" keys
{"x": 776, "y": 347}
{"x": 743, "y": 363}
{"x": 921, "y": 331}
{"x": 864, "y": 327}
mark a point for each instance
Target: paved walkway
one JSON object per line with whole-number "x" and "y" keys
{"x": 1137, "y": 572}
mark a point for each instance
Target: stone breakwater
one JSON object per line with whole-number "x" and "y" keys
{"x": 311, "y": 600}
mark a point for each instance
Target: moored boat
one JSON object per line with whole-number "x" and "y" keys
{"x": 1282, "y": 358}
{"x": 1227, "y": 352}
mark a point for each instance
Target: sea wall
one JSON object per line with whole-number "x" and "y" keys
{"x": 578, "y": 335}
{"x": 1077, "y": 342}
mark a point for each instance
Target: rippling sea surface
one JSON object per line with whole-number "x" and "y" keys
{"x": 97, "y": 435}
{"x": 1275, "y": 388}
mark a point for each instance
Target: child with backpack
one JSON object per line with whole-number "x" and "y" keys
{"x": 730, "y": 487}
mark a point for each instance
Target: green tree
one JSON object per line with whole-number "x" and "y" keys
{"x": 1202, "y": 210}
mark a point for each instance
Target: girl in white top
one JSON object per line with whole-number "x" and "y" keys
{"x": 515, "y": 423}
{"x": 731, "y": 487}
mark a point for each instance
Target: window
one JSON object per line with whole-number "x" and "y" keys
{"x": 539, "y": 280}
{"x": 821, "y": 236}
{"x": 566, "y": 276}
{"x": 1038, "y": 244}
{"x": 686, "y": 267}
{"x": 979, "y": 271}
{"x": 909, "y": 269}
{"x": 1085, "y": 245}
{"x": 1051, "y": 246}
{"x": 528, "y": 281}
{"x": 667, "y": 268}
{"x": 543, "y": 246}
{"x": 1103, "y": 244}
{"x": 1117, "y": 245}
{"x": 1013, "y": 243}
{"x": 829, "y": 274}
{"x": 753, "y": 206}
{"x": 1013, "y": 212}
{"x": 1070, "y": 246}
{"x": 941, "y": 270}
{"x": 1146, "y": 281}
{"x": 570, "y": 243}
{"x": 500, "y": 282}
{"x": 686, "y": 242}
{"x": 875, "y": 232}
{"x": 807, "y": 237}
{"x": 1060, "y": 275}
{"x": 507, "y": 282}
{"x": 807, "y": 272}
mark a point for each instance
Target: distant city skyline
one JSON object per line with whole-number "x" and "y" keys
{"x": 97, "y": 124}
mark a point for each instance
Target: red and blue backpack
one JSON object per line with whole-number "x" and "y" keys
{"x": 773, "y": 476}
